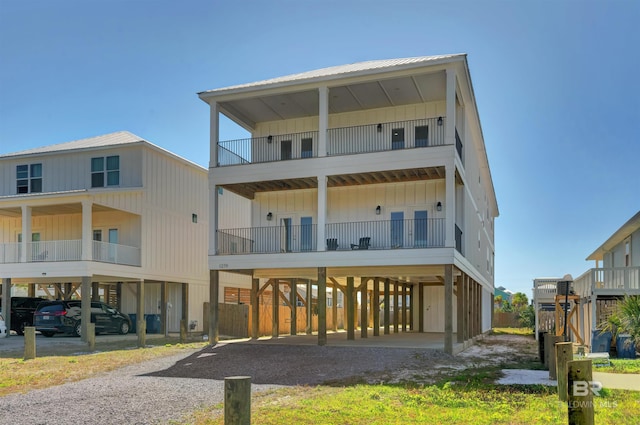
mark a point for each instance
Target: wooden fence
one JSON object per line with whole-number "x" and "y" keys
{"x": 233, "y": 320}
{"x": 503, "y": 319}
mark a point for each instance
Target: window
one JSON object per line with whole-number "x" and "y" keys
{"x": 397, "y": 138}
{"x": 194, "y": 218}
{"x": 285, "y": 149}
{"x": 422, "y": 136}
{"x": 105, "y": 170}
{"x": 29, "y": 178}
{"x": 307, "y": 148}
{"x": 627, "y": 252}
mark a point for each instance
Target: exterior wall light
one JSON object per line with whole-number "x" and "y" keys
{"x": 269, "y": 216}
{"x": 379, "y": 128}
{"x": 440, "y": 121}
{"x": 269, "y": 138}
{"x": 439, "y": 206}
{"x": 378, "y": 210}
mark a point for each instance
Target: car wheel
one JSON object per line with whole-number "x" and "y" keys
{"x": 124, "y": 327}
{"x": 47, "y": 334}
{"x": 77, "y": 331}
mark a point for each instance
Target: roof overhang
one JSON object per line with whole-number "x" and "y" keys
{"x": 620, "y": 235}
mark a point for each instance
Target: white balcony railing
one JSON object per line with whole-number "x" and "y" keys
{"x": 545, "y": 292}
{"x": 69, "y": 250}
{"x": 117, "y": 254}
{"x": 613, "y": 281}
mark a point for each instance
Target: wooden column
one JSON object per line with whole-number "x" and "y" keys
{"x": 375, "y": 306}
{"x": 460, "y": 307}
{"x": 141, "y": 326}
{"x": 396, "y": 306}
{"x": 420, "y": 307}
{"x": 214, "y": 288}
{"x": 448, "y": 308}
{"x": 164, "y": 329}
{"x": 275, "y": 308}
{"x": 293, "y": 299}
{"x": 564, "y": 354}
{"x": 364, "y": 317}
{"x": 350, "y": 310}
{"x": 95, "y": 292}
{"x": 255, "y": 308}
{"x": 185, "y": 304}
{"x": 472, "y": 310}
{"x": 322, "y": 306}
{"x": 334, "y": 307}
{"x": 85, "y": 306}
{"x": 404, "y": 307}
{"x": 579, "y": 378}
{"x": 387, "y": 306}
{"x": 411, "y": 303}
{"x": 309, "y": 328}
{"x": 465, "y": 307}
{"x": 6, "y": 303}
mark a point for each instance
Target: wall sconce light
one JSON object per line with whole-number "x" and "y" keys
{"x": 378, "y": 210}
{"x": 440, "y": 121}
{"x": 269, "y": 138}
{"x": 379, "y": 128}
{"x": 269, "y": 216}
{"x": 439, "y": 206}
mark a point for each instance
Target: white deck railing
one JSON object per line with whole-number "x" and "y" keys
{"x": 69, "y": 250}
{"x": 612, "y": 281}
{"x": 545, "y": 292}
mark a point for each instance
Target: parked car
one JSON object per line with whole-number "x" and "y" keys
{"x": 22, "y": 309}
{"x": 3, "y": 327}
{"x": 53, "y": 317}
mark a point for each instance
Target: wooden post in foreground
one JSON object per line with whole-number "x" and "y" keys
{"x": 183, "y": 331}
{"x": 564, "y": 354}
{"x": 552, "y": 356}
{"x": 29, "y": 343}
{"x": 547, "y": 348}
{"x": 237, "y": 400}
{"x": 91, "y": 336}
{"x": 580, "y": 400}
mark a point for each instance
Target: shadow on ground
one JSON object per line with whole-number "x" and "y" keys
{"x": 299, "y": 365}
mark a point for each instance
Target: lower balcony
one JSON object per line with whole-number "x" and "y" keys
{"x": 379, "y": 234}
{"x": 69, "y": 250}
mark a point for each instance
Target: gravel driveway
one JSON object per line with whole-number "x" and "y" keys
{"x": 164, "y": 390}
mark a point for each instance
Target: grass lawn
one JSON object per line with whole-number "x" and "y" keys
{"x": 621, "y": 366}
{"x": 468, "y": 398}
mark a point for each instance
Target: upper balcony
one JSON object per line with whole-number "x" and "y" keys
{"x": 380, "y": 137}
{"x": 608, "y": 281}
{"x": 69, "y": 250}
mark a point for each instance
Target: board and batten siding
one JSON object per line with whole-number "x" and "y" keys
{"x": 434, "y": 309}
{"x": 352, "y": 204}
{"x": 174, "y": 247}
{"x": 71, "y": 170}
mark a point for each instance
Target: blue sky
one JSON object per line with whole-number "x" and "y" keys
{"x": 556, "y": 82}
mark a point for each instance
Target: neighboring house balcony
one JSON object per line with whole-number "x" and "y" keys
{"x": 351, "y": 236}
{"x": 378, "y": 137}
{"x": 608, "y": 281}
{"x": 69, "y": 250}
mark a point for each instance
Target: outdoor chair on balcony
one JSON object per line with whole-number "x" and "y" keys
{"x": 332, "y": 244}
{"x": 363, "y": 244}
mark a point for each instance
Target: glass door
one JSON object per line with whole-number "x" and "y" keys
{"x": 397, "y": 229}
{"x": 420, "y": 229}
{"x": 306, "y": 234}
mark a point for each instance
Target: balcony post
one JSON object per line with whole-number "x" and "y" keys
{"x": 448, "y": 308}
{"x": 450, "y": 123}
{"x": 323, "y": 120}
{"x": 6, "y": 303}
{"x": 214, "y": 133}
{"x": 26, "y": 233}
{"x": 322, "y": 306}
{"x": 322, "y": 212}
{"x": 85, "y": 307}
{"x": 213, "y": 217}
{"x": 450, "y": 206}
{"x": 87, "y": 251}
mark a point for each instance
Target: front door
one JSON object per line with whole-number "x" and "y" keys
{"x": 397, "y": 229}
{"x": 113, "y": 242}
{"x": 286, "y": 235}
{"x": 306, "y": 234}
{"x": 420, "y": 229}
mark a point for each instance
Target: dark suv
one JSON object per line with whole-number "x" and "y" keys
{"x": 22, "y": 309}
{"x": 53, "y": 317}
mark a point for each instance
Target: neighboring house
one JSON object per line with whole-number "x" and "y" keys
{"x": 373, "y": 175}
{"x": 108, "y": 216}
{"x": 544, "y": 296}
{"x": 504, "y": 293}
{"x": 617, "y": 273}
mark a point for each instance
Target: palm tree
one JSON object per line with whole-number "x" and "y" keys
{"x": 625, "y": 319}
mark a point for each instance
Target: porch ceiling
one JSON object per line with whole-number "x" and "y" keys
{"x": 248, "y": 190}
{"x": 354, "y": 96}
{"x": 59, "y": 209}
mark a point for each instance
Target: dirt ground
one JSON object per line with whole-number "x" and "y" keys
{"x": 311, "y": 365}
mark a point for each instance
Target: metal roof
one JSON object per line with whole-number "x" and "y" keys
{"x": 112, "y": 139}
{"x": 339, "y": 71}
